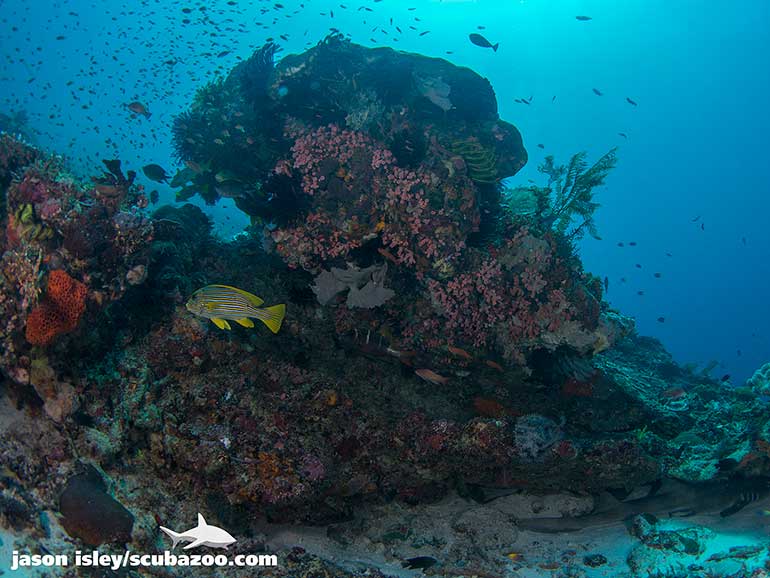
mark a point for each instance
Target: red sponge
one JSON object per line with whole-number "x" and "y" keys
{"x": 59, "y": 311}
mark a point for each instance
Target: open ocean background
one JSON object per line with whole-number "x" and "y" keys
{"x": 692, "y": 188}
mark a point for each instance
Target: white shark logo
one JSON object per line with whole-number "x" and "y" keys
{"x": 202, "y": 535}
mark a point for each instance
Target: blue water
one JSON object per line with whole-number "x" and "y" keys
{"x": 695, "y": 144}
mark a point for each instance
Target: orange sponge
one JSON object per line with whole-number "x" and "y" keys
{"x": 59, "y": 311}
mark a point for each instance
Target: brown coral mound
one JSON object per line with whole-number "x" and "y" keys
{"x": 91, "y": 514}
{"x": 59, "y": 312}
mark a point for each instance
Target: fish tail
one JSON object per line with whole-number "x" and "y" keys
{"x": 494, "y": 47}
{"x": 175, "y": 537}
{"x": 274, "y": 318}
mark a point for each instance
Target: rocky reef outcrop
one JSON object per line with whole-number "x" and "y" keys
{"x": 437, "y": 341}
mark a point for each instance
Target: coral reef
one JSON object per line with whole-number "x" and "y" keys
{"x": 441, "y": 338}
{"x": 412, "y": 182}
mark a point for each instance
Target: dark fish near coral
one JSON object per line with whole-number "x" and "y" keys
{"x": 479, "y": 40}
{"x": 230, "y": 189}
{"x": 138, "y": 108}
{"x": 221, "y": 303}
{"x": 155, "y": 173}
{"x": 583, "y": 18}
{"x": 419, "y": 563}
{"x": 606, "y": 284}
{"x": 182, "y": 177}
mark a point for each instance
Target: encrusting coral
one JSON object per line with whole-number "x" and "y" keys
{"x": 59, "y": 311}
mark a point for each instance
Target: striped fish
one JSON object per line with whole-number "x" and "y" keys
{"x": 223, "y": 303}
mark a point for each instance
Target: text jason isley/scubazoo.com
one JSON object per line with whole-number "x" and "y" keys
{"x": 125, "y": 559}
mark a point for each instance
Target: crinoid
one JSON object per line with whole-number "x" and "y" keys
{"x": 480, "y": 160}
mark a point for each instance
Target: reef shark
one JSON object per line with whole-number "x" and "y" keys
{"x": 669, "y": 499}
{"x": 201, "y": 535}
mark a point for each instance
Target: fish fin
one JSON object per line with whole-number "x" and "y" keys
{"x": 682, "y": 513}
{"x": 253, "y": 299}
{"x": 246, "y": 322}
{"x": 175, "y": 537}
{"x": 275, "y": 317}
{"x": 221, "y": 323}
{"x": 201, "y": 520}
{"x": 737, "y": 506}
{"x": 195, "y": 544}
{"x": 494, "y": 47}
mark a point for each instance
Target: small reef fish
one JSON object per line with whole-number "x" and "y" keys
{"x": 597, "y": 92}
{"x": 221, "y": 303}
{"x": 431, "y": 376}
{"x": 631, "y": 102}
{"x": 479, "y": 40}
{"x": 459, "y": 352}
{"x": 419, "y": 563}
{"x": 155, "y": 173}
{"x": 583, "y": 18}
{"x": 494, "y": 365}
{"x": 138, "y": 108}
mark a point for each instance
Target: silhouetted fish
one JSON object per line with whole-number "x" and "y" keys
{"x": 629, "y": 101}
{"x": 479, "y": 40}
{"x": 597, "y": 92}
{"x": 583, "y": 18}
{"x": 419, "y": 563}
{"x": 155, "y": 173}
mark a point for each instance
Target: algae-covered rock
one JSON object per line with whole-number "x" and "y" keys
{"x": 90, "y": 514}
